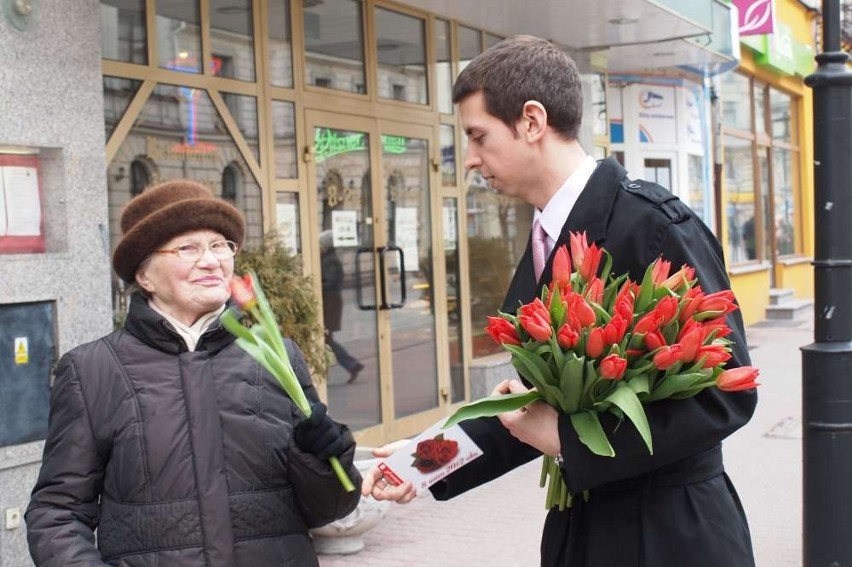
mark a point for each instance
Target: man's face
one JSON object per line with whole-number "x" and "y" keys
{"x": 497, "y": 152}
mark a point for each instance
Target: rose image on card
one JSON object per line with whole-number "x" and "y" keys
{"x": 432, "y": 454}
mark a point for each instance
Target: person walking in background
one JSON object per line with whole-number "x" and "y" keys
{"x": 167, "y": 439}
{"x": 521, "y": 106}
{"x": 332, "y": 303}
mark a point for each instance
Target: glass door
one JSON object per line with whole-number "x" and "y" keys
{"x": 375, "y": 264}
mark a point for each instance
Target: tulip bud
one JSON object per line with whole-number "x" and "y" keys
{"x": 737, "y": 379}
{"x": 242, "y": 292}
{"x": 612, "y": 367}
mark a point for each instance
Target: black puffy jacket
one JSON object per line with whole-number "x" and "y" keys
{"x": 177, "y": 458}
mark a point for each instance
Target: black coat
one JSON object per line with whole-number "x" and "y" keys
{"x": 177, "y": 458}
{"x": 332, "y": 286}
{"x": 677, "y": 507}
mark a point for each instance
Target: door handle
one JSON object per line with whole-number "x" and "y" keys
{"x": 383, "y": 251}
{"x": 359, "y": 282}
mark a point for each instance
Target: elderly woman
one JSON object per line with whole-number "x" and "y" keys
{"x": 165, "y": 436}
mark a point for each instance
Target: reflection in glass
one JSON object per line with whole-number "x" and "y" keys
{"x": 179, "y": 134}
{"x": 781, "y": 107}
{"x": 444, "y": 66}
{"x": 334, "y": 45}
{"x": 284, "y": 139}
{"x": 123, "y": 32}
{"x": 784, "y": 164}
{"x": 117, "y": 95}
{"x": 736, "y": 102}
{"x": 760, "y": 109}
{"x": 280, "y": 45}
{"x": 448, "y": 155}
{"x": 405, "y": 183}
{"x": 450, "y": 223}
{"x": 498, "y": 228}
{"x": 740, "y": 210}
{"x": 347, "y": 267}
{"x": 243, "y": 109}
{"x": 401, "y": 47}
{"x": 594, "y": 93}
{"x": 232, "y": 38}
{"x": 179, "y": 35}
{"x": 697, "y": 183}
{"x": 287, "y": 221}
{"x": 470, "y": 45}
{"x": 764, "y": 250}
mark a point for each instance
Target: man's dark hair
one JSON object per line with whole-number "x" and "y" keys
{"x": 525, "y": 68}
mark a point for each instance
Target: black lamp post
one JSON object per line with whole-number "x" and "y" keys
{"x": 827, "y": 362}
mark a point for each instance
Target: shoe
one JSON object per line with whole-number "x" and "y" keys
{"x": 353, "y": 374}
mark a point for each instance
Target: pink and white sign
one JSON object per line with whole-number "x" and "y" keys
{"x": 756, "y": 16}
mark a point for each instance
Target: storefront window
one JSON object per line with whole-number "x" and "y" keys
{"x": 784, "y": 167}
{"x": 401, "y": 55}
{"x": 287, "y": 221}
{"x": 284, "y": 134}
{"x": 243, "y": 110}
{"x": 450, "y": 222}
{"x": 334, "y": 45}
{"x": 470, "y": 45}
{"x": 780, "y": 115}
{"x": 123, "y": 32}
{"x": 280, "y": 45}
{"x": 444, "y": 66}
{"x": 736, "y": 102}
{"x": 740, "y": 183}
{"x": 448, "y": 155}
{"x": 760, "y": 109}
{"x": 497, "y": 233}
{"x": 697, "y": 183}
{"x": 232, "y": 38}
{"x": 179, "y": 134}
{"x": 179, "y": 35}
{"x": 117, "y": 95}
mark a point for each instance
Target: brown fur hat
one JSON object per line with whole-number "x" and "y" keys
{"x": 164, "y": 211}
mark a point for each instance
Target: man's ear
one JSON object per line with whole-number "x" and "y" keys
{"x": 534, "y": 120}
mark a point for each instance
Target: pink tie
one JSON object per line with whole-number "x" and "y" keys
{"x": 539, "y": 248}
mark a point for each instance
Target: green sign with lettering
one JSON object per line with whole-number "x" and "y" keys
{"x": 328, "y": 143}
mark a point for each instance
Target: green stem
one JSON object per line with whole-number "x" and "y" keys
{"x": 341, "y": 474}
{"x": 545, "y": 466}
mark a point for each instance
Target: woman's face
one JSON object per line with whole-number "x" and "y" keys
{"x": 187, "y": 289}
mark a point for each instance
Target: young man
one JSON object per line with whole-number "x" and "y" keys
{"x": 521, "y": 106}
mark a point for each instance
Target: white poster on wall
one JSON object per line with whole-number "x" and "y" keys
{"x": 657, "y": 122}
{"x": 288, "y": 226}
{"x": 406, "y": 236}
{"x": 21, "y": 203}
{"x": 344, "y": 225}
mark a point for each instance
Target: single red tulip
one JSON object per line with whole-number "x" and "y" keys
{"x": 612, "y": 367}
{"x": 667, "y": 308}
{"x": 736, "y": 379}
{"x": 561, "y": 267}
{"x": 595, "y": 342}
{"x": 713, "y": 355}
{"x": 502, "y": 331}
{"x": 719, "y": 303}
{"x": 579, "y": 246}
{"x": 567, "y": 337}
{"x": 535, "y": 320}
{"x": 649, "y": 322}
{"x": 680, "y": 278}
{"x": 654, "y": 340}
{"x": 595, "y": 290}
{"x": 660, "y": 271}
{"x": 667, "y": 357}
{"x": 242, "y": 292}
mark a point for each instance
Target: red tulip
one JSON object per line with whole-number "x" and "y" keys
{"x": 691, "y": 339}
{"x": 713, "y": 355}
{"x": 667, "y": 357}
{"x": 561, "y": 267}
{"x": 667, "y": 308}
{"x": 595, "y": 342}
{"x": 690, "y": 301}
{"x": 591, "y": 262}
{"x": 612, "y": 367}
{"x": 736, "y": 379}
{"x": 586, "y": 258}
{"x": 624, "y": 302}
{"x": 716, "y": 304}
{"x": 660, "y": 271}
{"x": 595, "y": 290}
{"x": 654, "y": 340}
{"x": 680, "y": 278}
{"x": 567, "y": 337}
{"x": 579, "y": 245}
{"x": 614, "y": 330}
{"x": 649, "y": 322}
{"x": 535, "y": 320}
{"x": 580, "y": 312}
{"x": 720, "y": 325}
{"x": 242, "y": 292}
{"x": 502, "y": 331}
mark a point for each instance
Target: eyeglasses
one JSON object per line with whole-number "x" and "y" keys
{"x": 221, "y": 249}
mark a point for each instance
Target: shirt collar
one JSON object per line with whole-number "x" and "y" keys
{"x": 555, "y": 214}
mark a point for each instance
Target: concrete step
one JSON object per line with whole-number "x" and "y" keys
{"x": 790, "y": 309}
{"x": 778, "y": 296}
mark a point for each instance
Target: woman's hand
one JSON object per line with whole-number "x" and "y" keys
{"x": 375, "y": 485}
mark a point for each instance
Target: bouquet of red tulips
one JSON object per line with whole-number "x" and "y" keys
{"x": 594, "y": 343}
{"x": 263, "y": 341}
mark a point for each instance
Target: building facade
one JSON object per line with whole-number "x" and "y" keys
{"x": 334, "y": 117}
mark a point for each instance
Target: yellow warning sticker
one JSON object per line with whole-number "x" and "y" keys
{"x": 22, "y": 350}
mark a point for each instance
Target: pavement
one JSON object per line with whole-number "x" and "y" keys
{"x": 499, "y": 524}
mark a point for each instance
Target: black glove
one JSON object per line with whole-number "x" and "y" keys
{"x": 320, "y": 435}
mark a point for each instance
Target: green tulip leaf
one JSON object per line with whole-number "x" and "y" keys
{"x": 625, "y": 398}
{"x": 668, "y": 386}
{"x": 491, "y": 406}
{"x": 571, "y": 382}
{"x": 646, "y": 290}
{"x": 589, "y": 430}
{"x": 530, "y": 365}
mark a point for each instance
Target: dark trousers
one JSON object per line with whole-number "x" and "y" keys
{"x": 343, "y": 357}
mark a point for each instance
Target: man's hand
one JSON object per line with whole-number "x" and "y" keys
{"x": 535, "y": 424}
{"x": 380, "y": 489}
